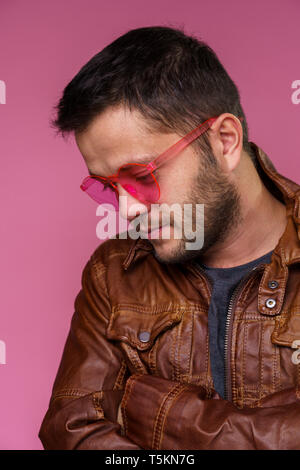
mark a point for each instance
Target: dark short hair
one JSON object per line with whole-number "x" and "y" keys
{"x": 174, "y": 80}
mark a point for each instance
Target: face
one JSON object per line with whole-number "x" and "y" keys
{"x": 120, "y": 136}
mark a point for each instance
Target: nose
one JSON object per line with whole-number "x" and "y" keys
{"x": 129, "y": 206}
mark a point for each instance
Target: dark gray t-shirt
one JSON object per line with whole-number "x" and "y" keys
{"x": 224, "y": 281}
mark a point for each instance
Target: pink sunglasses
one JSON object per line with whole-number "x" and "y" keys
{"x": 138, "y": 178}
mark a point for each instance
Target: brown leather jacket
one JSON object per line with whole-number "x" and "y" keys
{"x": 135, "y": 371}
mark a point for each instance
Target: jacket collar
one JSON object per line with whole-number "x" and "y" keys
{"x": 287, "y": 250}
{"x": 288, "y": 247}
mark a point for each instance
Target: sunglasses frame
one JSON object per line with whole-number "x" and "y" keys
{"x": 148, "y": 168}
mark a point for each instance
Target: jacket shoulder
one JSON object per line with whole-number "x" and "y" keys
{"x": 117, "y": 249}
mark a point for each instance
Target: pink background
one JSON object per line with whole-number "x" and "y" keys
{"x": 48, "y": 226}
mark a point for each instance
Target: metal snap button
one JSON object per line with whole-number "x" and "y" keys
{"x": 144, "y": 336}
{"x": 273, "y": 284}
{"x": 270, "y": 303}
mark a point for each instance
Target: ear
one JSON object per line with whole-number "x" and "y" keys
{"x": 226, "y": 138}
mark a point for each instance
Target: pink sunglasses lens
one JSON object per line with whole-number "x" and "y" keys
{"x": 97, "y": 191}
{"x": 138, "y": 182}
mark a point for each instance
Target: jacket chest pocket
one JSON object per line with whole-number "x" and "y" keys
{"x": 141, "y": 331}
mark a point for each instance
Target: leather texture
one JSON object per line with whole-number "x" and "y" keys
{"x": 135, "y": 370}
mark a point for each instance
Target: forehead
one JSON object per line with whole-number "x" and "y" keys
{"x": 118, "y": 136}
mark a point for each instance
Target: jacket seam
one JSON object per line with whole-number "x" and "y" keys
{"x": 155, "y": 309}
{"x": 69, "y": 393}
{"x": 176, "y": 345}
{"x": 192, "y": 325}
{"x": 119, "y": 382}
{"x": 207, "y": 362}
{"x": 158, "y": 430}
{"x": 274, "y": 370}
{"x": 97, "y": 397}
{"x": 144, "y": 346}
{"x": 152, "y": 356}
{"x": 243, "y": 362}
{"x": 124, "y": 401}
{"x": 261, "y": 357}
{"x": 134, "y": 358}
{"x": 100, "y": 274}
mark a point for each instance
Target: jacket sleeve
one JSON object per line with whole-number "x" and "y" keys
{"x": 181, "y": 417}
{"x": 89, "y": 385}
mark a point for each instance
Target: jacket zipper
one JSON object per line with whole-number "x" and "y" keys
{"x": 228, "y": 330}
{"x": 228, "y": 325}
{"x": 206, "y": 277}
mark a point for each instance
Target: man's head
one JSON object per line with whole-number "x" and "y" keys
{"x": 136, "y": 98}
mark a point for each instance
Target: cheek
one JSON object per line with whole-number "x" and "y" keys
{"x": 173, "y": 190}
{"x": 176, "y": 184}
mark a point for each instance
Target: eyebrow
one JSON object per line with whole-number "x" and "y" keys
{"x": 140, "y": 159}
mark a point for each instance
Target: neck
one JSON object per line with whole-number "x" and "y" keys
{"x": 263, "y": 221}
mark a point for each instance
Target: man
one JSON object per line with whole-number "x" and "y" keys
{"x": 170, "y": 347}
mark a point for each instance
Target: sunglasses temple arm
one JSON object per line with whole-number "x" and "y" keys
{"x": 181, "y": 144}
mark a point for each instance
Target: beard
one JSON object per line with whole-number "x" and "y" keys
{"x": 222, "y": 212}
